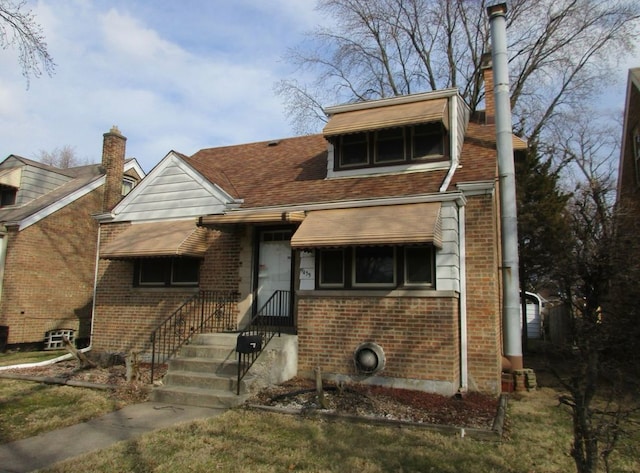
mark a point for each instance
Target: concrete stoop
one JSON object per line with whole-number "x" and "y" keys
{"x": 204, "y": 374}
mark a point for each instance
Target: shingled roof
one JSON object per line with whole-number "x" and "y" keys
{"x": 293, "y": 171}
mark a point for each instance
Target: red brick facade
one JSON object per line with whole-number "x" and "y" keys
{"x": 484, "y": 342}
{"x": 49, "y": 273}
{"x": 126, "y": 315}
{"x": 419, "y": 335}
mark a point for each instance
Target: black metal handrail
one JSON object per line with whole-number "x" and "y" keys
{"x": 204, "y": 312}
{"x": 264, "y": 326}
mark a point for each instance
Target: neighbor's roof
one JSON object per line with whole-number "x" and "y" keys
{"x": 293, "y": 171}
{"x": 82, "y": 177}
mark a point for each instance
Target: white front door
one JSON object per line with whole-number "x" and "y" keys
{"x": 274, "y": 268}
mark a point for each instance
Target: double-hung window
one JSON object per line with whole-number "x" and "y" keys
{"x": 167, "y": 272}
{"x": 371, "y": 267}
{"x": 427, "y": 141}
{"x": 354, "y": 150}
{"x": 391, "y": 146}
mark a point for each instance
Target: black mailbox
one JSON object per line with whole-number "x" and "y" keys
{"x": 249, "y": 343}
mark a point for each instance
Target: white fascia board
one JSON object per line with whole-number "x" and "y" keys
{"x": 388, "y": 170}
{"x": 477, "y": 187}
{"x": 457, "y": 197}
{"x": 133, "y": 164}
{"x": 45, "y": 212}
{"x": 401, "y": 99}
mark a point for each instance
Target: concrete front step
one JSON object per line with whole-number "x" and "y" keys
{"x": 190, "y": 396}
{"x": 210, "y": 381}
{"x": 204, "y": 374}
{"x": 213, "y": 352}
{"x": 217, "y": 339}
{"x": 203, "y": 365}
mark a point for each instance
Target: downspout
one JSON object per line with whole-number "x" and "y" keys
{"x": 4, "y": 235}
{"x": 453, "y": 142}
{"x": 506, "y": 169}
{"x": 462, "y": 236}
{"x": 95, "y": 289}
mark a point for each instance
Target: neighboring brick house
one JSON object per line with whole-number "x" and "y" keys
{"x": 383, "y": 231}
{"x": 629, "y": 168}
{"x": 48, "y": 240}
{"x": 628, "y": 197}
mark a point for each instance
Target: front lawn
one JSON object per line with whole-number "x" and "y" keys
{"x": 537, "y": 439}
{"x": 15, "y": 358}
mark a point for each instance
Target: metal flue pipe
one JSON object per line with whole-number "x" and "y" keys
{"x": 512, "y": 341}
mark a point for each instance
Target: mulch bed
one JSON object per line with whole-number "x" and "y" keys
{"x": 471, "y": 410}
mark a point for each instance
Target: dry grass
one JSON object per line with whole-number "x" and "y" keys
{"x": 537, "y": 440}
{"x": 14, "y": 358}
{"x": 28, "y": 408}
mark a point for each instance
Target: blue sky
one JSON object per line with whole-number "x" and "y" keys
{"x": 172, "y": 75}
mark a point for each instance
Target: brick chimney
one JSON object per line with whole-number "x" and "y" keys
{"x": 113, "y": 150}
{"x": 486, "y": 65}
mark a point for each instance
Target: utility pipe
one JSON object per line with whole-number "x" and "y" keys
{"x": 512, "y": 339}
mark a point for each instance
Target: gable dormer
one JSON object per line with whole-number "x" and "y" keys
{"x": 417, "y": 132}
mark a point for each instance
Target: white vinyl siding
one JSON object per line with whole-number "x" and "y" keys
{"x": 173, "y": 190}
{"x": 37, "y": 182}
{"x": 448, "y": 258}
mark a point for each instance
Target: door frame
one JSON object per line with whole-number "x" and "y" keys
{"x": 258, "y": 231}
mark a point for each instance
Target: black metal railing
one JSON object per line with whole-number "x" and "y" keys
{"x": 262, "y": 328}
{"x": 204, "y": 312}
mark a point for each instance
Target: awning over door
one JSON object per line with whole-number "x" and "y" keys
{"x": 177, "y": 238}
{"x": 387, "y": 117}
{"x": 383, "y": 225}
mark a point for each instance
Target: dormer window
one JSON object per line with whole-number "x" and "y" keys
{"x": 389, "y": 146}
{"x": 354, "y": 150}
{"x": 127, "y": 185}
{"x": 392, "y": 146}
{"x": 7, "y": 195}
{"x": 427, "y": 141}
{"x": 411, "y": 133}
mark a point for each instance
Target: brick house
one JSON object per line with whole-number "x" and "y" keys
{"x": 628, "y": 196}
{"x": 629, "y": 167}
{"x": 378, "y": 237}
{"x": 48, "y": 240}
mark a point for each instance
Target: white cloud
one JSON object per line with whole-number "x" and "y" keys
{"x": 170, "y": 76}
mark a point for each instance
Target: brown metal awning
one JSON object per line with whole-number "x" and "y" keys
{"x": 388, "y": 117}
{"x": 383, "y": 225}
{"x": 177, "y": 238}
{"x": 518, "y": 143}
{"x": 253, "y": 217}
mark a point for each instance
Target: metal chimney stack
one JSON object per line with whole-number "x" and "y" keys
{"x": 512, "y": 340}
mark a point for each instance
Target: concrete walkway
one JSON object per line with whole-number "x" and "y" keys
{"x": 46, "y": 449}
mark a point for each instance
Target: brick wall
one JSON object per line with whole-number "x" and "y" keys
{"x": 125, "y": 315}
{"x": 113, "y": 151}
{"x": 419, "y": 335}
{"x": 483, "y": 290}
{"x": 49, "y": 273}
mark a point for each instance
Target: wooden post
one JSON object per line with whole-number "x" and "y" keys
{"x": 81, "y": 357}
{"x": 319, "y": 388}
{"x": 133, "y": 367}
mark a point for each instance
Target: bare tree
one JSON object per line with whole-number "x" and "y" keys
{"x": 19, "y": 29}
{"x": 562, "y": 52}
{"x": 63, "y": 158}
{"x": 590, "y": 271}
